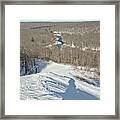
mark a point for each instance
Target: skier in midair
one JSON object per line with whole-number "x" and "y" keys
{"x": 58, "y": 40}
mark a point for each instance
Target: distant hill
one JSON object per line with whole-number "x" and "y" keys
{"x": 84, "y": 36}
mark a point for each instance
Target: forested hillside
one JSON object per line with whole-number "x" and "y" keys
{"x": 82, "y": 42}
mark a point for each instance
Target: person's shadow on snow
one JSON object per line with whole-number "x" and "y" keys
{"x": 72, "y": 93}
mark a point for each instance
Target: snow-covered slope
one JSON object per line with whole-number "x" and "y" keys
{"x": 53, "y": 83}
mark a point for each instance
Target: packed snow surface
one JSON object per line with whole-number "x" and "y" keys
{"x": 61, "y": 82}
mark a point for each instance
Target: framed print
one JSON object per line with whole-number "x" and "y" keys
{"x": 60, "y": 60}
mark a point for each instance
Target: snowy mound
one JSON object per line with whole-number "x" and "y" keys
{"x": 53, "y": 83}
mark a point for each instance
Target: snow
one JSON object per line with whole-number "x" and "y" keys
{"x": 73, "y": 46}
{"x": 53, "y": 83}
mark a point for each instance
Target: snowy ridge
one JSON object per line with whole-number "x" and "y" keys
{"x": 54, "y": 79}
